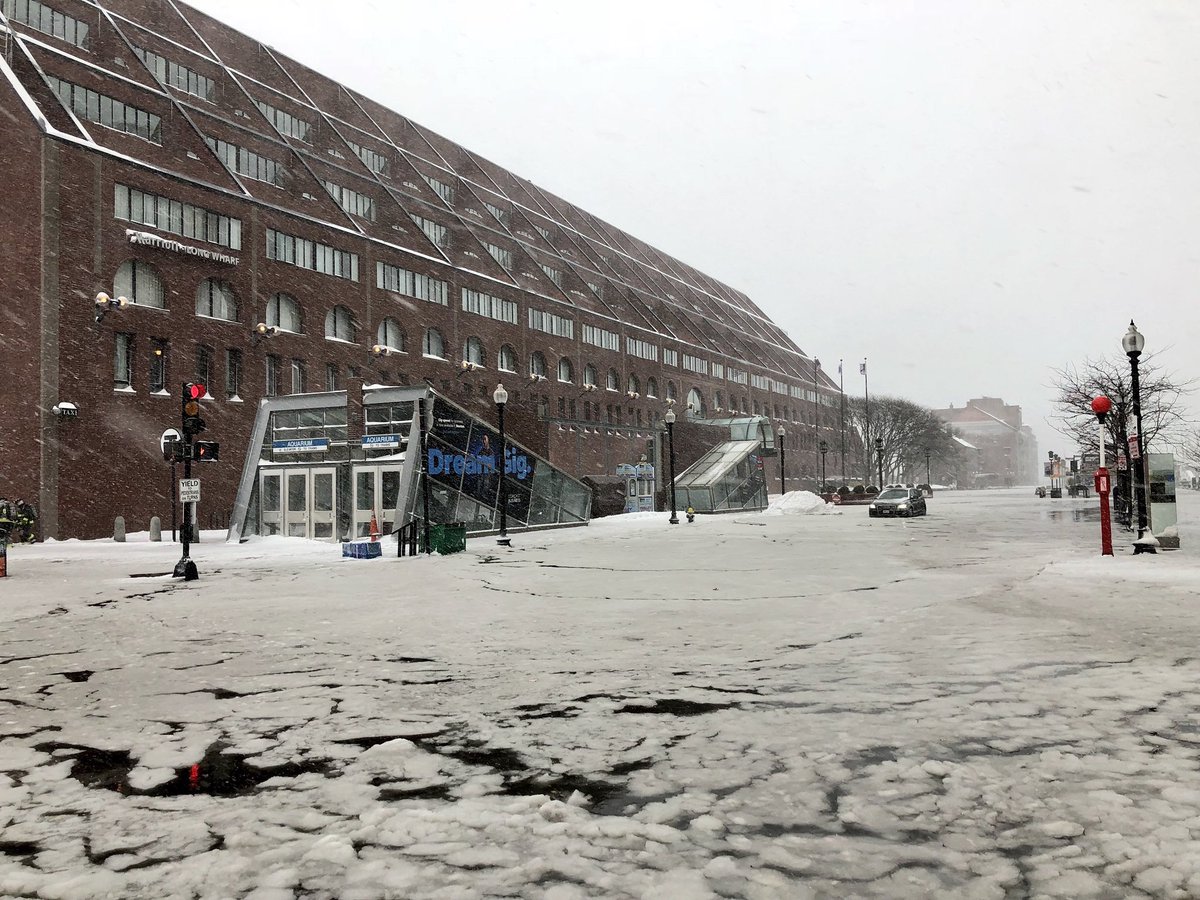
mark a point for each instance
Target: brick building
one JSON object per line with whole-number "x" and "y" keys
{"x": 1003, "y": 450}
{"x": 275, "y": 233}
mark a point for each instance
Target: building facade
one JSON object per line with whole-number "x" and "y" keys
{"x": 1002, "y": 449}
{"x": 271, "y": 232}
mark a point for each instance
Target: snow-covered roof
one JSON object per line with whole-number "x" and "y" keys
{"x": 966, "y": 444}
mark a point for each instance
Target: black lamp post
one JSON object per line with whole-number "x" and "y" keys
{"x": 500, "y": 395}
{"x": 669, "y": 418}
{"x": 1133, "y": 343}
{"x": 928, "y": 479}
{"x": 879, "y": 459}
{"x": 782, "y": 474}
{"x": 824, "y": 447}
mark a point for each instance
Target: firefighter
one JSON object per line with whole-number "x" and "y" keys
{"x": 6, "y": 520}
{"x": 26, "y": 520}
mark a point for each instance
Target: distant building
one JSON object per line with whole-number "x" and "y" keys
{"x": 1006, "y": 451}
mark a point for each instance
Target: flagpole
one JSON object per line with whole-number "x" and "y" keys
{"x": 842, "y": 394}
{"x": 867, "y": 424}
{"x": 817, "y": 427}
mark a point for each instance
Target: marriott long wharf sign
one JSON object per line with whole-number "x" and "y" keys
{"x": 153, "y": 240}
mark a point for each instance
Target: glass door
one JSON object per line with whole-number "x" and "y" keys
{"x": 321, "y": 506}
{"x": 295, "y": 516}
{"x": 376, "y": 492}
{"x": 270, "y": 497}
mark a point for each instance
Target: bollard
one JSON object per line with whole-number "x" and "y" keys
{"x": 119, "y": 529}
{"x": 155, "y": 528}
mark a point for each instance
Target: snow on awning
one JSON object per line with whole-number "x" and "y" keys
{"x": 964, "y": 443}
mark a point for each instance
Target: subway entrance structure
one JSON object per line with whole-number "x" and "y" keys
{"x": 323, "y": 466}
{"x": 263, "y": 230}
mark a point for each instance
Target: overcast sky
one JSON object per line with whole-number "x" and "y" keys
{"x": 966, "y": 192}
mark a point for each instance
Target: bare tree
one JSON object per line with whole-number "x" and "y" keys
{"x": 1163, "y": 419}
{"x": 908, "y": 430}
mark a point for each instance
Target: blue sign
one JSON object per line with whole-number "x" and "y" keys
{"x": 442, "y": 462}
{"x": 301, "y": 445}
{"x": 380, "y": 441}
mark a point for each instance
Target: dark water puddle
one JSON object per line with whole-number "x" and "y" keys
{"x": 218, "y": 774}
{"x": 674, "y": 707}
{"x": 82, "y": 675}
{"x": 432, "y": 792}
{"x": 1089, "y": 514}
{"x": 24, "y": 850}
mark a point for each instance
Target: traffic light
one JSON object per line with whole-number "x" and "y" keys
{"x": 192, "y": 423}
{"x": 206, "y": 451}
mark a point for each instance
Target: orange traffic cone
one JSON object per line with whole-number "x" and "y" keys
{"x": 374, "y": 528}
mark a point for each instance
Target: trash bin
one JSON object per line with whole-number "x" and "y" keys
{"x": 450, "y": 537}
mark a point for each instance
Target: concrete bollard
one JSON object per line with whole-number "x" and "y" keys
{"x": 119, "y": 529}
{"x": 155, "y": 528}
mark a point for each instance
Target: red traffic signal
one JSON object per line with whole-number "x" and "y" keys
{"x": 207, "y": 451}
{"x": 195, "y": 391}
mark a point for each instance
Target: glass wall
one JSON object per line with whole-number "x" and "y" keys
{"x": 464, "y": 478}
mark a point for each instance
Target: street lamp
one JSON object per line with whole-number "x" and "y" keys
{"x": 1132, "y": 344}
{"x": 500, "y": 395}
{"x": 1101, "y": 406}
{"x": 782, "y": 475}
{"x": 669, "y": 418}
{"x": 928, "y": 479}
{"x": 824, "y": 448}
{"x": 879, "y": 459}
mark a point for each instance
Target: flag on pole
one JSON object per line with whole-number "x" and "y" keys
{"x": 839, "y": 367}
{"x": 862, "y": 368}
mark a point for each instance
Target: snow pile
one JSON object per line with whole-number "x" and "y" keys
{"x": 799, "y": 503}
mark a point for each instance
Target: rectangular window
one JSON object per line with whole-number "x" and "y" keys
{"x": 499, "y": 254}
{"x": 111, "y": 113}
{"x": 271, "y": 386}
{"x": 233, "y": 373}
{"x": 123, "y": 362}
{"x": 500, "y": 214}
{"x": 718, "y": 370}
{"x": 351, "y": 201}
{"x": 558, "y": 326}
{"x": 376, "y": 162}
{"x": 737, "y": 376}
{"x": 553, "y": 274}
{"x": 761, "y": 382}
{"x": 158, "y": 365}
{"x": 176, "y": 75}
{"x": 482, "y": 304}
{"x": 204, "y": 357}
{"x": 695, "y": 364}
{"x": 544, "y": 232}
{"x": 331, "y": 377}
{"x": 246, "y": 162}
{"x": 402, "y": 281}
{"x": 298, "y": 376}
{"x": 670, "y": 357}
{"x": 304, "y": 254}
{"x": 286, "y": 123}
{"x": 47, "y": 20}
{"x": 445, "y": 191}
{"x": 435, "y": 232}
{"x": 183, "y": 219}
{"x": 598, "y": 337}
{"x": 641, "y": 349}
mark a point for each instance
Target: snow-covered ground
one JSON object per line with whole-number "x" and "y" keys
{"x": 973, "y": 704}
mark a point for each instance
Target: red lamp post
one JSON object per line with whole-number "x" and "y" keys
{"x": 1101, "y": 406}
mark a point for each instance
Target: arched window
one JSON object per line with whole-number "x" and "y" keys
{"x": 473, "y": 351}
{"x": 390, "y": 335}
{"x": 139, "y": 283}
{"x": 434, "y": 346}
{"x": 340, "y": 326}
{"x": 565, "y": 372}
{"x": 537, "y": 364}
{"x": 283, "y": 312}
{"x": 634, "y": 386}
{"x": 651, "y": 387}
{"x": 695, "y": 401}
{"x": 671, "y": 394}
{"x": 718, "y": 401}
{"x": 506, "y": 359}
{"x": 589, "y": 374}
{"x": 215, "y": 299}
{"x": 613, "y": 382}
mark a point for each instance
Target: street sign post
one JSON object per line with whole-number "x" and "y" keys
{"x": 189, "y": 490}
